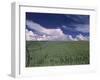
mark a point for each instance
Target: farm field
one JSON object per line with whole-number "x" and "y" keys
{"x": 56, "y": 53}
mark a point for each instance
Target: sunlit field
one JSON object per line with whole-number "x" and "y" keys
{"x": 56, "y": 53}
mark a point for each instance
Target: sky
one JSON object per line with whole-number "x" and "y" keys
{"x": 49, "y": 26}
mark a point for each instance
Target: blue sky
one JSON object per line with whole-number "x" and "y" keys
{"x": 69, "y": 24}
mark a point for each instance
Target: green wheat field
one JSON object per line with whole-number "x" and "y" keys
{"x": 56, "y": 53}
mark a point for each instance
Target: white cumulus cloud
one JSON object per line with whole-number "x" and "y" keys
{"x": 37, "y": 27}
{"x": 48, "y": 34}
{"x": 29, "y": 35}
{"x": 81, "y": 37}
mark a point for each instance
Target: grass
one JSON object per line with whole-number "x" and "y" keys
{"x": 55, "y": 53}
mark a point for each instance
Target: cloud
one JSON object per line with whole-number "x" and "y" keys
{"x": 34, "y": 26}
{"x": 67, "y": 28}
{"x": 29, "y": 35}
{"x": 82, "y": 28}
{"x": 37, "y": 27}
{"x": 48, "y": 34}
{"x": 81, "y": 19}
{"x": 81, "y": 37}
{"x": 71, "y": 38}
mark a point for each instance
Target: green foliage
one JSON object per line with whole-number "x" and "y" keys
{"x": 55, "y": 53}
